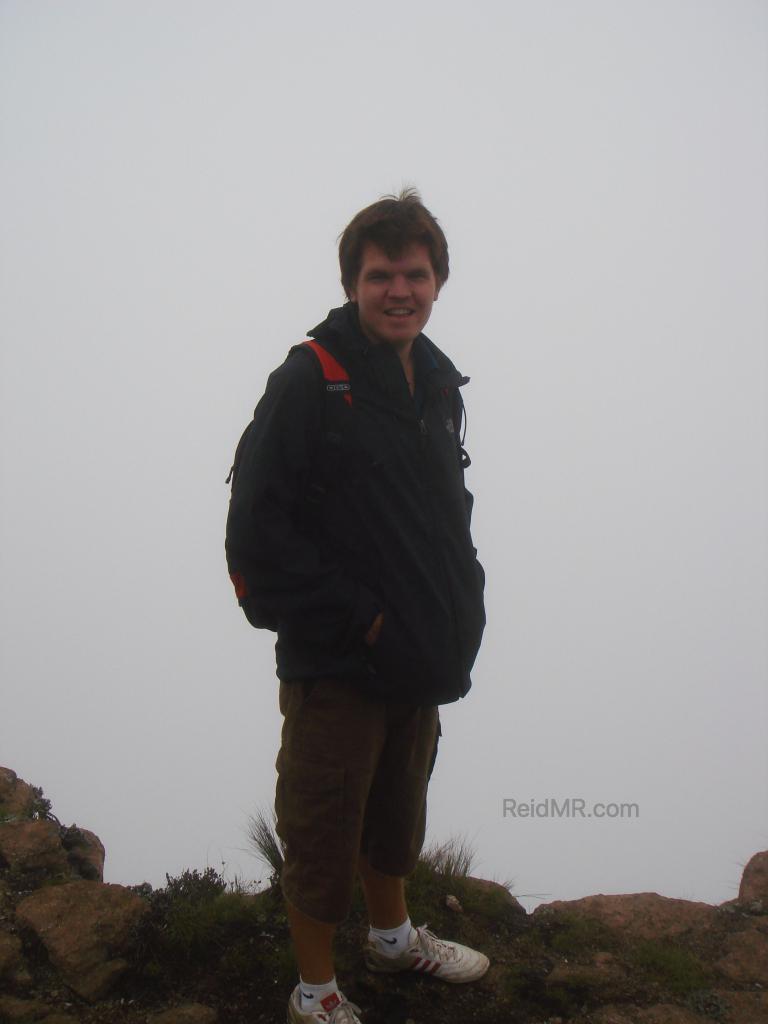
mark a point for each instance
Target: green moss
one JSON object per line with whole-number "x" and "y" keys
{"x": 525, "y": 990}
{"x": 671, "y": 966}
{"x": 574, "y": 935}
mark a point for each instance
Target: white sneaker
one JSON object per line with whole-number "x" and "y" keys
{"x": 336, "y": 1009}
{"x": 427, "y": 954}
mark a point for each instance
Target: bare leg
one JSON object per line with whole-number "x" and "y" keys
{"x": 313, "y": 946}
{"x": 384, "y": 896}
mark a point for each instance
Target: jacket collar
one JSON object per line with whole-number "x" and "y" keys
{"x": 342, "y": 325}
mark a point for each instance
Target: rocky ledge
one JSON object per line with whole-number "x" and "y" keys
{"x": 75, "y": 950}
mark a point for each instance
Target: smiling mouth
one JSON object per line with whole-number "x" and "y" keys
{"x": 398, "y": 312}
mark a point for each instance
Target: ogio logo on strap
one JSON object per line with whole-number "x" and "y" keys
{"x": 336, "y": 377}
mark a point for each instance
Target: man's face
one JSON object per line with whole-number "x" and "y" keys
{"x": 394, "y": 297}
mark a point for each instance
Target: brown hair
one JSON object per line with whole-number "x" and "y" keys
{"x": 392, "y": 223}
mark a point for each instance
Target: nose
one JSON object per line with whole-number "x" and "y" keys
{"x": 399, "y": 286}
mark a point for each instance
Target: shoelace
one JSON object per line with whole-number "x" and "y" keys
{"x": 437, "y": 949}
{"x": 345, "y": 1014}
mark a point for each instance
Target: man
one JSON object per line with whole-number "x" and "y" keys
{"x": 349, "y": 534}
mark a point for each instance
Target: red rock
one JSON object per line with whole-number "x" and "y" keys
{"x": 754, "y": 880}
{"x": 491, "y": 888}
{"x": 191, "y": 1013}
{"x": 86, "y": 928}
{"x": 17, "y": 799}
{"x": 612, "y": 1015}
{"x": 85, "y": 853}
{"x": 33, "y": 846}
{"x": 744, "y": 1007}
{"x": 668, "y": 1013}
{"x": 13, "y": 967}
{"x": 10, "y": 954}
{"x": 13, "y": 1009}
{"x": 643, "y": 915}
{"x": 608, "y": 978}
{"x": 746, "y": 959}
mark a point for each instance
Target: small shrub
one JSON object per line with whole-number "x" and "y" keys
{"x": 196, "y": 921}
{"x": 39, "y": 809}
{"x": 194, "y": 886}
{"x": 41, "y": 806}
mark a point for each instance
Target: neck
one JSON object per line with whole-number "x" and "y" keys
{"x": 405, "y": 355}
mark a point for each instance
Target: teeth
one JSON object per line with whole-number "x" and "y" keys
{"x": 399, "y": 312}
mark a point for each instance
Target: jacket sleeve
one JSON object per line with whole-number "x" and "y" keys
{"x": 281, "y": 576}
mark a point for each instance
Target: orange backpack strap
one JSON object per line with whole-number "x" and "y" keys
{"x": 336, "y": 377}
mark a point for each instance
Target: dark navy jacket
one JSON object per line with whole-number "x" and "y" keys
{"x": 341, "y": 511}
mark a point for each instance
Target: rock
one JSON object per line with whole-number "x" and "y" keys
{"x": 754, "y": 880}
{"x": 85, "y": 853}
{"x": 6, "y": 901}
{"x": 86, "y": 928}
{"x": 17, "y": 799}
{"x": 13, "y": 1009}
{"x": 644, "y": 915}
{"x": 612, "y": 1015}
{"x": 10, "y": 954}
{"x": 668, "y": 1013}
{"x": 191, "y": 1013}
{"x": 453, "y": 904}
{"x": 496, "y": 890}
{"x": 746, "y": 959}
{"x": 33, "y": 846}
{"x": 661, "y": 1013}
{"x": 608, "y": 978}
{"x": 743, "y": 1007}
{"x": 13, "y": 967}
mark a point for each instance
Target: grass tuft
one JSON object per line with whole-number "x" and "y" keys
{"x": 266, "y": 844}
{"x": 450, "y": 860}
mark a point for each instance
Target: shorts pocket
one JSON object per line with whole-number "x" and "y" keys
{"x": 309, "y": 806}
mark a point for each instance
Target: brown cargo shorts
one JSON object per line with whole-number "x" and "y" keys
{"x": 352, "y": 777}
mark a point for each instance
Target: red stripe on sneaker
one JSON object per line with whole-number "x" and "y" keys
{"x": 426, "y": 965}
{"x": 435, "y": 967}
{"x": 415, "y": 964}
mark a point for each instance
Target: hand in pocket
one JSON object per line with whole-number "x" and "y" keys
{"x": 375, "y": 628}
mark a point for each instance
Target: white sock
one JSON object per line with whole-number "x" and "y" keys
{"x": 392, "y": 941}
{"x": 311, "y": 996}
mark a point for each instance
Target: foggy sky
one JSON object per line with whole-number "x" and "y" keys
{"x": 173, "y": 180}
